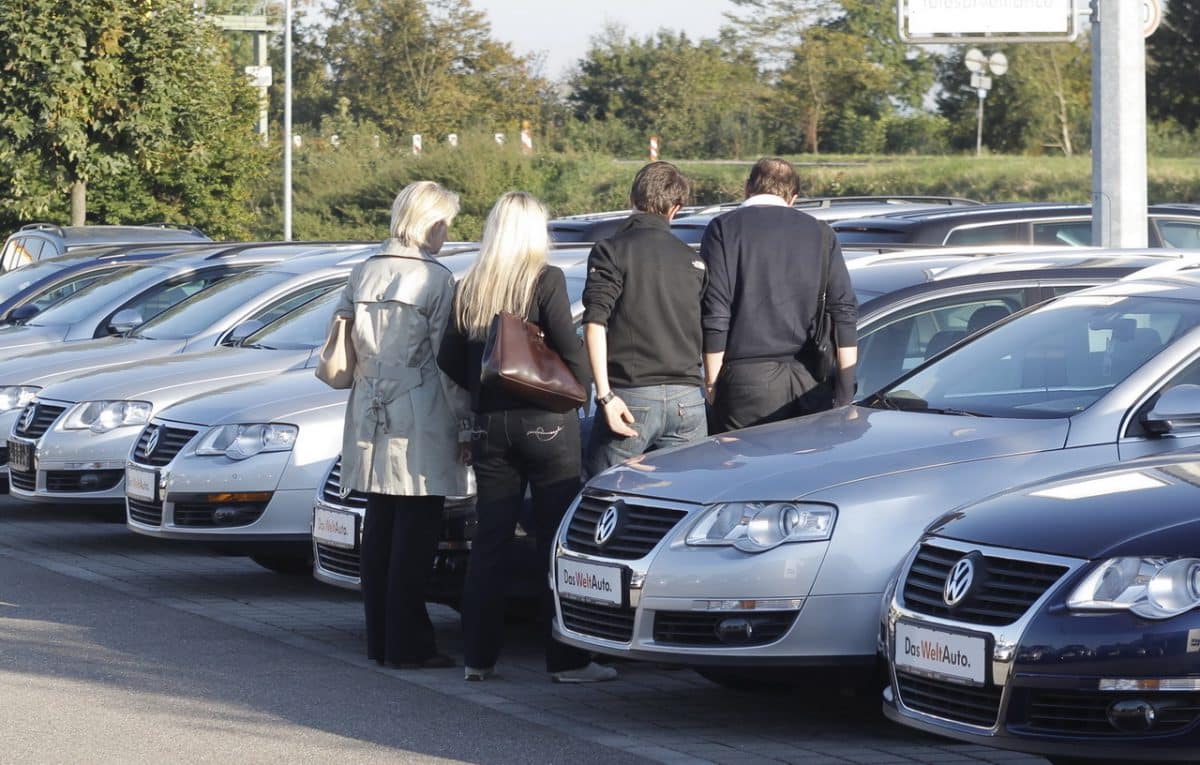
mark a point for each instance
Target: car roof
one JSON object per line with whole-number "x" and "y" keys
{"x": 77, "y": 236}
{"x": 840, "y": 208}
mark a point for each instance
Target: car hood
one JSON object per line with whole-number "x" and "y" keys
{"x": 63, "y": 361}
{"x": 1145, "y": 507}
{"x": 794, "y": 458}
{"x": 291, "y": 397}
{"x": 18, "y": 338}
{"x": 161, "y": 380}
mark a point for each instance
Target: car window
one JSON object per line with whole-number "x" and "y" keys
{"x": 189, "y": 317}
{"x": 1054, "y": 362}
{"x": 13, "y": 282}
{"x": 904, "y": 340}
{"x": 1073, "y": 233}
{"x": 98, "y": 295}
{"x": 850, "y": 236}
{"x": 999, "y": 233}
{"x": 17, "y": 254}
{"x": 295, "y": 300}
{"x": 688, "y": 234}
{"x": 160, "y": 297}
{"x": 1179, "y": 233}
{"x": 64, "y": 289}
{"x": 304, "y": 327}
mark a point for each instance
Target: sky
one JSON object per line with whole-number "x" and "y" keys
{"x": 561, "y": 29}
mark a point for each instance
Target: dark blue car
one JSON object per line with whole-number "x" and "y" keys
{"x": 1061, "y": 618}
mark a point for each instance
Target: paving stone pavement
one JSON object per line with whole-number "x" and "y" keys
{"x": 664, "y": 715}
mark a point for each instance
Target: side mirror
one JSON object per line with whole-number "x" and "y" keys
{"x": 126, "y": 320}
{"x": 243, "y": 330}
{"x": 1176, "y": 411}
{"x": 22, "y": 313}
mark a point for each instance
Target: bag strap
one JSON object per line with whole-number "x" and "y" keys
{"x": 819, "y": 322}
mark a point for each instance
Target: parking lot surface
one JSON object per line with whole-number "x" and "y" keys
{"x": 115, "y": 647}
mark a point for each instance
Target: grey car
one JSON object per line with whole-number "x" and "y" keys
{"x": 772, "y": 547}
{"x": 35, "y": 242}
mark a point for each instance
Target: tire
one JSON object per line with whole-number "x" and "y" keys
{"x": 288, "y": 565}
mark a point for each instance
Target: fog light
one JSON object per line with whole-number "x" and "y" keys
{"x": 226, "y": 516}
{"x": 1132, "y": 715}
{"x": 89, "y": 482}
{"x": 735, "y": 630}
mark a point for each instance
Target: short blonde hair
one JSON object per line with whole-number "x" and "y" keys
{"x": 511, "y": 258}
{"x": 418, "y": 208}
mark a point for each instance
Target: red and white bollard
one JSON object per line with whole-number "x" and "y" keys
{"x": 416, "y": 144}
{"x": 452, "y": 139}
{"x": 653, "y": 148}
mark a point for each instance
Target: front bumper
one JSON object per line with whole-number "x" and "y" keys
{"x": 1041, "y": 693}
{"x": 705, "y": 606}
{"x": 75, "y": 467}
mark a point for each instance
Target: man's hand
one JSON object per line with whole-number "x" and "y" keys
{"x": 619, "y": 418}
{"x": 465, "y": 456}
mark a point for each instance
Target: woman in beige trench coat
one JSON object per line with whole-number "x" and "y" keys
{"x": 403, "y": 422}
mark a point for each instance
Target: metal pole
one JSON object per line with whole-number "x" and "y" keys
{"x": 287, "y": 120}
{"x": 979, "y": 128}
{"x": 1119, "y": 193}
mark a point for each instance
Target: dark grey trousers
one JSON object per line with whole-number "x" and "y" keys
{"x": 757, "y": 392}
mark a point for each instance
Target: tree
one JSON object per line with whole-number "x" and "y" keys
{"x": 134, "y": 96}
{"x": 702, "y": 98}
{"x": 417, "y": 66}
{"x": 1172, "y": 60}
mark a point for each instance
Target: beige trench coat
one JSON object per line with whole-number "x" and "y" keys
{"x": 404, "y": 415}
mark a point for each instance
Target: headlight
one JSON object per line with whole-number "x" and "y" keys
{"x": 238, "y": 442}
{"x": 103, "y": 416}
{"x": 759, "y": 526}
{"x": 1153, "y": 588}
{"x": 16, "y": 396}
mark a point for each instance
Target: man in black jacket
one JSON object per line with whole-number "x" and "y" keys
{"x": 641, "y": 322}
{"x": 764, "y": 264}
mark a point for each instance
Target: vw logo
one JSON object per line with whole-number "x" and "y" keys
{"x": 152, "y": 442}
{"x": 607, "y": 524}
{"x": 958, "y": 583}
{"x": 27, "y": 418}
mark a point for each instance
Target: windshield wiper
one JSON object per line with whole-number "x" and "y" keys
{"x": 952, "y": 411}
{"x": 916, "y": 404}
{"x": 261, "y": 347}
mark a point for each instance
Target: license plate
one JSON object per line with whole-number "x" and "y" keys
{"x": 335, "y": 528}
{"x": 939, "y": 653}
{"x": 141, "y": 484}
{"x": 590, "y": 581}
{"x": 20, "y": 456}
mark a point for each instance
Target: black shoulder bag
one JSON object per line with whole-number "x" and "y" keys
{"x": 818, "y": 353}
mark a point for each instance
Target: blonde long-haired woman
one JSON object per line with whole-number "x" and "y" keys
{"x": 516, "y": 442}
{"x": 403, "y": 420}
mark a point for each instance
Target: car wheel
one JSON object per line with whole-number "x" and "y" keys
{"x": 290, "y": 565}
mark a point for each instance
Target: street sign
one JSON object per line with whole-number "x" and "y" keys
{"x": 1152, "y": 15}
{"x": 260, "y": 76}
{"x": 966, "y": 21}
{"x": 975, "y": 60}
{"x": 998, "y": 63}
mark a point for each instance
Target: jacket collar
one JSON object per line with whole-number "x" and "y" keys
{"x": 395, "y": 249}
{"x": 765, "y": 200}
{"x": 644, "y": 220}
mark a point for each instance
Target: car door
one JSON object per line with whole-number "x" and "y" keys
{"x": 1135, "y": 441}
{"x": 908, "y": 333}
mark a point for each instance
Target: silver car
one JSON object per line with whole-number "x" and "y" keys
{"x": 71, "y": 442}
{"x": 772, "y": 546}
{"x": 219, "y": 315}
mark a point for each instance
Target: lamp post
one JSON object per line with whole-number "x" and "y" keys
{"x": 287, "y": 120}
{"x": 980, "y": 66}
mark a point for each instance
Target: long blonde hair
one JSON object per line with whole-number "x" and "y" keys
{"x": 511, "y": 256}
{"x": 418, "y": 208}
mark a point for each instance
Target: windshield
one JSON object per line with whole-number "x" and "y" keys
{"x": 303, "y": 328}
{"x": 1054, "y": 362}
{"x": 13, "y": 282}
{"x": 98, "y": 295}
{"x": 199, "y": 311}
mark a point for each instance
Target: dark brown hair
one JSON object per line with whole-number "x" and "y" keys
{"x": 772, "y": 175}
{"x": 658, "y": 187}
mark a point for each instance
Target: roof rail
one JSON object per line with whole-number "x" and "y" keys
{"x": 175, "y": 226}
{"x": 41, "y": 227}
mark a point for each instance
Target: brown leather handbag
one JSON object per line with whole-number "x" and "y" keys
{"x": 518, "y": 361}
{"x": 335, "y": 366}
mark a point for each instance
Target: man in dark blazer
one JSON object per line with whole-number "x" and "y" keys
{"x": 764, "y": 264}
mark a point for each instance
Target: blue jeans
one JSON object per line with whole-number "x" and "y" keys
{"x": 663, "y": 415}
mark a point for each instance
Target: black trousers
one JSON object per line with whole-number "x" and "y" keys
{"x": 513, "y": 450}
{"x": 757, "y": 392}
{"x": 399, "y": 540}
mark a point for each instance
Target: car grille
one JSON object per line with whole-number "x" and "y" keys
{"x": 961, "y": 703}
{"x": 338, "y": 561}
{"x": 44, "y": 416}
{"x": 3, "y": 454}
{"x": 201, "y": 515}
{"x": 1083, "y": 712}
{"x": 700, "y": 627}
{"x": 25, "y": 480}
{"x": 331, "y": 492}
{"x": 639, "y": 529}
{"x": 1007, "y": 589}
{"x": 598, "y": 621}
{"x": 146, "y": 513}
{"x": 170, "y": 442}
{"x": 73, "y": 481}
